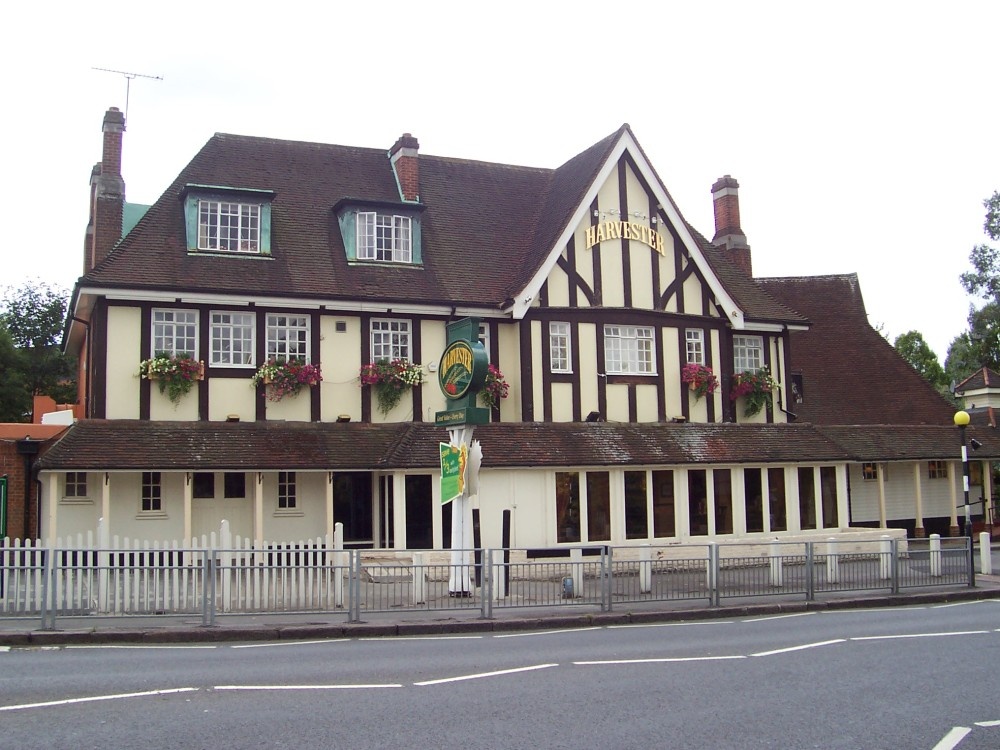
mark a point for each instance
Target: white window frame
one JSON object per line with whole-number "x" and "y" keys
{"x": 151, "y": 494}
{"x": 629, "y": 350}
{"x": 229, "y": 226}
{"x": 384, "y": 237}
{"x": 560, "y": 347}
{"x": 287, "y": 491}
{"x": 694, "y": 342}
{"x": 748, "y": 353}
{"x": 390, "y": 339}
{"x": 233, "y": 338}
{"x": 75, "y": 487}
{"x": 288, "y": 336}
{"x": 175, "y": 332}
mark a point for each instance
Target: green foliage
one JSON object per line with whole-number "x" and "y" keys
{"x": 912, "y": 347}
{"x": 15, "y": 399}
{"x": 32, "y": 317}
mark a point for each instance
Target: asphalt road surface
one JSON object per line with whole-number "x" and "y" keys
{"x": 921, "y": 678}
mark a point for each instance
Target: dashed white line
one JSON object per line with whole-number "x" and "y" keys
{"x": 955, "y": 604}
{"x": 383, "y": 639}
{"x": 779, "y": 617}
{"x": 308, "y": 687}
{"x": 484, "y": 674}
{"x": 659, "y": 660}
{"x": 988, "y": 723}
{"x": 916, "y": 635}
{"x": 290, "y": 643}
{"x": 92, "y": 698}
{"x": 798, "y": 648}
{"x": 670, "y": 624}
{"x": 951, "y": 740}
{"x": 546, "y": 632}
{"x": 136, "y": 647}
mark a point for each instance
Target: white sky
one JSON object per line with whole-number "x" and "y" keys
{"x": 860, "y": 132}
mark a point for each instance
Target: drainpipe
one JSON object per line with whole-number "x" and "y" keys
{"x": 29, "y": 449}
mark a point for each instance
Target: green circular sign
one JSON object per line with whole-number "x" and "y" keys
{"x": 462, "y": 369}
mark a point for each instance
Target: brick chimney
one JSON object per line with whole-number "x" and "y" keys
{"x": 403, "y": 156}
{"x": 107, "y": 191}
{"x": 728, "y": 234}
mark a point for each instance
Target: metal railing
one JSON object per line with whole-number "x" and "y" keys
{"x": 36, "y": 582}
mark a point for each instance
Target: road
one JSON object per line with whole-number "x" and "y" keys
{"x": 921, "y": 678}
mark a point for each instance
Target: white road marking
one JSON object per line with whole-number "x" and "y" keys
{"x": 546, "y": 632}
{"x": 4, "y": 649}
{"x": 955, "y": 604}
{"x": 135, "y": 647}
{"x": 383, "y": 639}
{"x": 307, "y": 687}
{"x": 798, "y": 648}
{"x": 779, "y": 617}
{"x": 671, "y": 624}
{"x": 90, "y": 699}
{"x": 659, "y": 661}
{"x": 988, "y": 723}
{"x": 916, "y": 635}
{"x": 906, "y": 608}
{"x": 290, "y": 643}
{"x": 951, "y": 740}
{"x": 484, "y": 674}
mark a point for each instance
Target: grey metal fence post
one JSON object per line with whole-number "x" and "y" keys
{"x": 354, "y": 587}
{"x": 486, "y": 593}
{"x": 810, "y": 573}
{"x": 48, "y": 608}
{"x": 607, "y": 560}
{"x": 716, "y": 593}
{"x": 208, "y": 590}
{"x": 894, "y": 566}
{"x": 972, "y": 567}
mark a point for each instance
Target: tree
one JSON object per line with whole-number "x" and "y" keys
{"x": 15, "y": 401}
{"x": 32, "y": 317}
{"x": 912, "y": 347}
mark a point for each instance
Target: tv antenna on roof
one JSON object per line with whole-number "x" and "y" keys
{"x": 128, "y": 82}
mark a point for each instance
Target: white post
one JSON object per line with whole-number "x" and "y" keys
{"x": 935, "y": 554}
{"x": 645, "y": 569}
{"x": 832, "y": 562}
{"x": 339, "y": 563}
{"x": 460, "y": 578}
{"x": 885, "y": 563}
{"x": 777, "y": 569}
{"x": 985, "y": 561}
{"x": 499, "y": 582}
{"x": 419, "y": 577}
{"x": 576, "y": 563}
{"x": 225, "y": 561}
{"x": 103, "y": 565}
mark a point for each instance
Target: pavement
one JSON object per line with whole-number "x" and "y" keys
{"x": 98, "y": 630}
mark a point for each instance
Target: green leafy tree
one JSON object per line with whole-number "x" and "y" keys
{"x": 15, "y": 399}
{"x": 32, "y": 316}
{"x": 912, "y": 347}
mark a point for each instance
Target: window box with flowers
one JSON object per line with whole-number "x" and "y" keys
{"x": 755, "y": 387}
{"x": 173, "y": 374}
{"x": 700, "y": 379}
{"x": 494, "y": 389}
{"x": 285, "y": 377}
{"x": 389, "y": 378}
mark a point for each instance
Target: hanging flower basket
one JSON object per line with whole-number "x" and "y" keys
{"x": 174, "y": 375}
{"x": 390, "y": 378}
{"x": 755, "y": 387}
{"x": 494, "y": 389}
{"x": 285, "y": 377}
{"x": 700, "y": 379}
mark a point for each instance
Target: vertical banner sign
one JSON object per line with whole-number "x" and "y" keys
{"x": 453, "y": 461}
{"x": 3, "y": 506}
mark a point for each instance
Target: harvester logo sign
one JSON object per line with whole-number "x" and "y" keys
{"x": 455, "y": 369}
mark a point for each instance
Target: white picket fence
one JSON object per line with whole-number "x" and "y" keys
{"x": 120, "y": 576}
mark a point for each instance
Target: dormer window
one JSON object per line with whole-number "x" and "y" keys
{"x": 385, "y": 237}
{"x": 227, "y": 220}
{"x": 229, "y": 227}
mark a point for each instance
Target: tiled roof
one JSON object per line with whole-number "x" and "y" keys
{"x": 504, "y": 218}
{"x": 142, "y": 445}
{"x": 980, "y": 380}
{"x": 851, "y": 374}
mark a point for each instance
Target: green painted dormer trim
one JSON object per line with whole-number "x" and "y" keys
{"x": 193, "y": 193}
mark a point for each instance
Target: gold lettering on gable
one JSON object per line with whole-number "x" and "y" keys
{"x": 627, "y": 230}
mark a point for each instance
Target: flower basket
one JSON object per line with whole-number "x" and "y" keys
{"x": 174, "y": 375}
{"x": 389, "y": 378}
{"x": 494, "y": 389}
{"x": 285, "y": 377}
{"x": 755, "y": 387}
{"x": 700, "y": 379}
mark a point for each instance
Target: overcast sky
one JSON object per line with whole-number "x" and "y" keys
{"x": 860, "y": 133}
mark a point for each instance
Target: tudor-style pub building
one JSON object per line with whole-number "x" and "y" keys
{"x": 656, "y": 392}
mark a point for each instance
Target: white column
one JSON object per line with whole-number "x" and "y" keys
{"x": 881, "y": 494}
{"x": 188, "y": 501}
{"x": 106, "y": 500}
{"x": 956, "y": 473}
{"x": 398, "y": 510}
{"x": 918, "y": 517}
{"x": 329, "y": 504}
{"x": 258, "y": 509}
{"x": 51, "y": 507}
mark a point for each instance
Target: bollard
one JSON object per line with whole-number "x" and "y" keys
{"x": 777, "y": 569}
{"x": 935, "y": 555}
{"x": 885, "y": 557}
{"x": 832, "y": 562}
{"x": 499, "y": 575}
{"x": 985, "y": 559}
{"x": 645, "y": 569}
{"x": 576, "y": 563}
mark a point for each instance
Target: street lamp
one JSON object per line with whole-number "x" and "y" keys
{"x": 962, "y": 421}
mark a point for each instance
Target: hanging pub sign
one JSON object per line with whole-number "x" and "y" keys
{"x": 462, "y": 374}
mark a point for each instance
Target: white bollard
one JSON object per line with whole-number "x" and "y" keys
{"x": 832, "y": 561}
{"x": 777, "y": 569}
{"x": 576, "y": 562}
{"x": 885, "y": 561}
{"x": 935, "y": 555}
{"x": 499, "y": 582}
{"x": 985, "y": 560}
{"x": 419, "y": 577}
{"x": 645, "y": 569}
